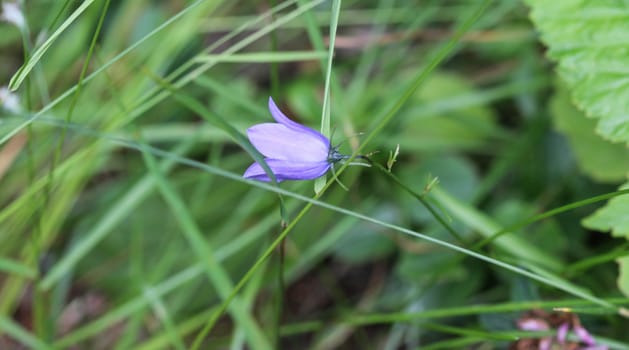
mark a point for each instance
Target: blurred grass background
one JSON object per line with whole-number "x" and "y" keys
{"x": 124, "y": 223}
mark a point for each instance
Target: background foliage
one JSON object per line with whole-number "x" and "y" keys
{"x": 125, "y": 223}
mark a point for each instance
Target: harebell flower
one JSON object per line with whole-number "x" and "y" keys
{"x": 292, "y": 151}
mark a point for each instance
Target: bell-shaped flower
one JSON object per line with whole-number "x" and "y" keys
{"x": 291, "y": 150}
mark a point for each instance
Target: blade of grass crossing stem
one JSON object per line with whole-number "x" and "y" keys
{"x": 215, "y": 272}
{"x": 319, "y": 183}
{"x": 236, "y": 177}
{"x": 311, "y": 201}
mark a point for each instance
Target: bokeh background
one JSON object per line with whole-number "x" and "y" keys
{"x": 125, "y": 224}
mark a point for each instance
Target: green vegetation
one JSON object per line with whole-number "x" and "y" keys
{"x": 497, "y": 136}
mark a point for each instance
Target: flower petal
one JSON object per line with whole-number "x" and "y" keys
{"x": 284, "y": 120}
{"x": 533, "y": 324}
{"x": 287, "y": 170}
{"x": 280, "y": 117}
{"x": 545, "y": 343}
{"x": 562, "y": 333}
{"x": 276, "y": 141}
{"x": 584, "y": 335}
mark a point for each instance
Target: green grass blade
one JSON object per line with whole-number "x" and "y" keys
{"x": 23, "y": 72}
{"x": 216, "y": 274}
{"x": 319, "y": 183}
{"x": 14, "y": 330}
{"x": 16, "y": 268}
{"x": 262, "y": 57}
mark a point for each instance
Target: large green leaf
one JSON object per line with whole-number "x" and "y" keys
{"x": 590, "y": 42}
{"x": 598, "y": 158}
{"x": 612, "y": 217}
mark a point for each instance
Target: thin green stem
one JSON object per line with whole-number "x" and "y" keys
{"x": 550, "y": 213}
{"x": 587, "y": 263}
{"x": 420, "y": 197}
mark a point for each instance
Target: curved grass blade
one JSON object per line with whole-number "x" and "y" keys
{"x": 26, "y": 68}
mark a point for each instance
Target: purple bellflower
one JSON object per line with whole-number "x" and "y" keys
{"x": 291, "y": 150}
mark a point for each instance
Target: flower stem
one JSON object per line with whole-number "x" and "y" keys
{"x": 279, "y": 304}
{"x": 420, "y": 197}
